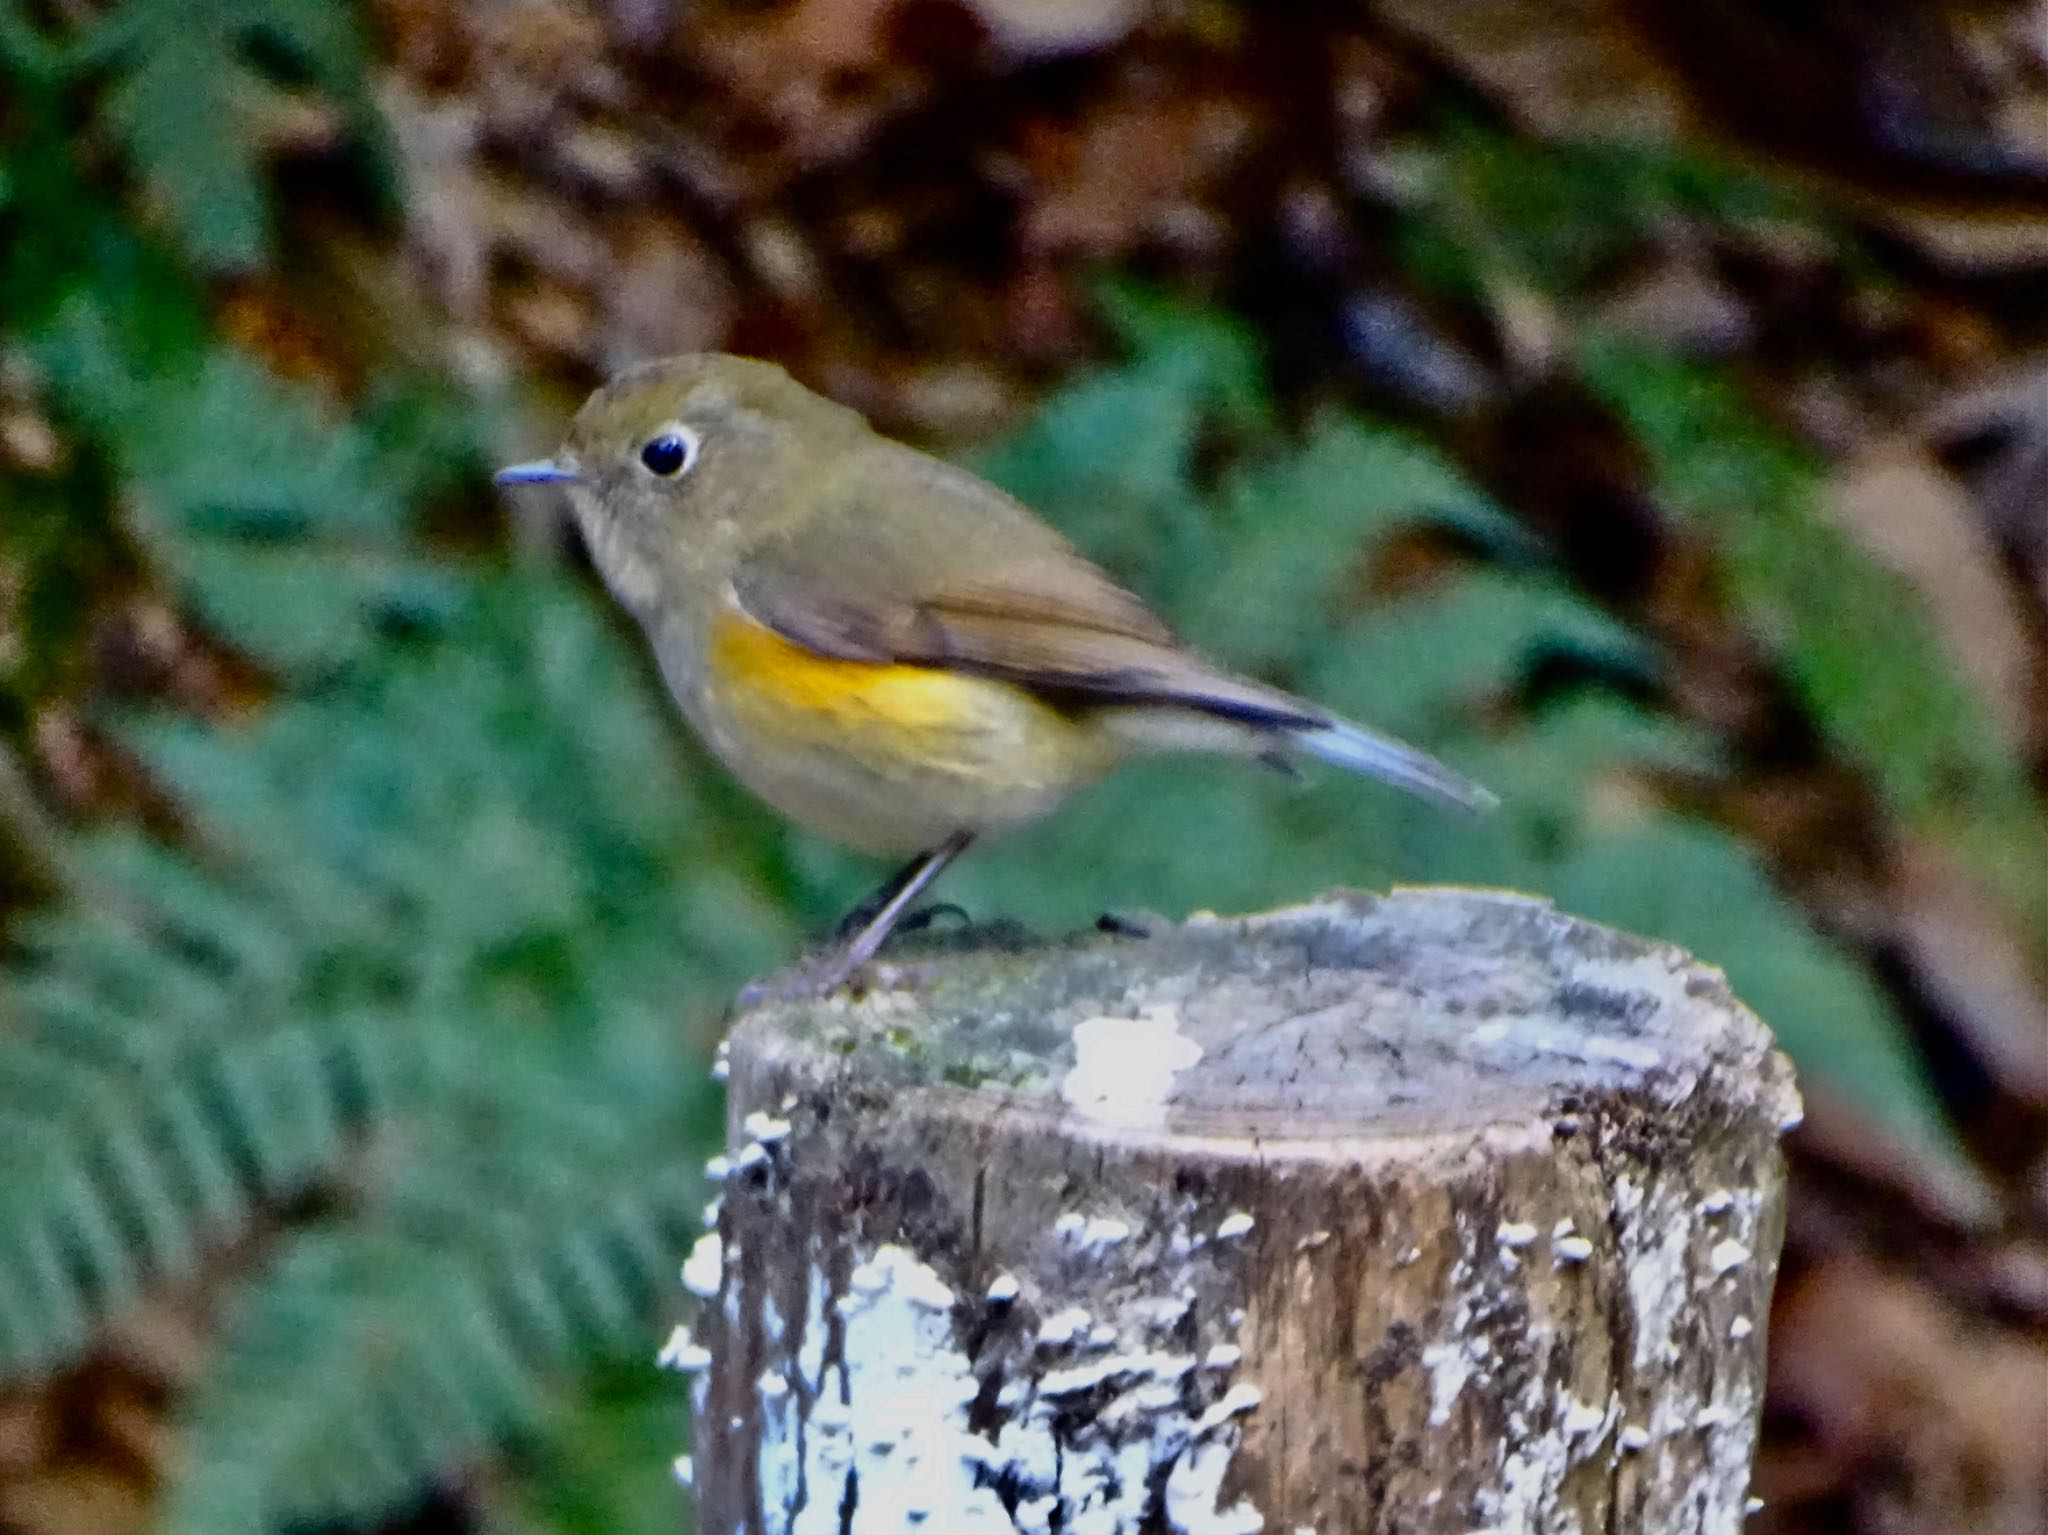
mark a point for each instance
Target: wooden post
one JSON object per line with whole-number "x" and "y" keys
{"x": 1435, "y": 1213}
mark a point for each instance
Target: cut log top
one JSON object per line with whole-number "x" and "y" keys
{"x": 1429, "y": 1013}
{"x": 1432, "y": 1214}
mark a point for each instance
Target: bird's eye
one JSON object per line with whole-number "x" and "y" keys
{"x": 670, "y": 452}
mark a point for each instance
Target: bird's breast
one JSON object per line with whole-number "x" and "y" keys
{"x": 885, "y": 757}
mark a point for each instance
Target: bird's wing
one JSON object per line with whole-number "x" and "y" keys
{"x": 978, "y": 585}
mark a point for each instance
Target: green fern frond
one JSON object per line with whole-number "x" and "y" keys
{"x": 182, "y": 95}
{"x": 356, "y": 1369}
{"x": 285, "y": 528}
{"x": 427, "y": 964}
{"x": 433, "y": 1327}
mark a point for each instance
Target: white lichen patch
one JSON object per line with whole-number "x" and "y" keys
{"x": 1091, "y": 1236}
{"x": 1583, "y": 1418}
{"x": 705, "y": 1266}
{"x": 1673, "y": 1250}
{"x": 1727, "y": 1256}
{"x": 1449, "y": 1366}
{"x": 1572, "y": 1249}
{"x": 1462, "y": 1355}
{"x": 1124, "y": 1067}
{"x": 683, "y": 1352}
{"x": 1063, "y": 1327}
{"x": 878, "y": 1443}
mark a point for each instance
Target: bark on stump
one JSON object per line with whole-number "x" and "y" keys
{"x": 1441, "y": 1212}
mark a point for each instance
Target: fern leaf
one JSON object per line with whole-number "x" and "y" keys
{"x": 412, "y": 1379}
{"x": 182, "y": 81}
{"x": 177, "y": 110}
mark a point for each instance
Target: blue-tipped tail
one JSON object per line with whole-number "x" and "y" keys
{"x": 1382, "y": 757}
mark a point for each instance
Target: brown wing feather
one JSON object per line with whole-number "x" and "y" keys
{"x": 981, "y": 585}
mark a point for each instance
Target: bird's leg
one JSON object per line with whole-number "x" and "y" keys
{"x": 871, "y": 906}
{"x": 902, "y": 890}
{"x": 869, "y": 927}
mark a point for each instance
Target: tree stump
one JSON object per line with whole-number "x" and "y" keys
{"x": 1441, "y": 1212}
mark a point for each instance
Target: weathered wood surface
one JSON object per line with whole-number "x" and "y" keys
{"x": 1436, "y": 1213}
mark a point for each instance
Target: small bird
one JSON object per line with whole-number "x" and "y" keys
{"x": 886, "y": 648}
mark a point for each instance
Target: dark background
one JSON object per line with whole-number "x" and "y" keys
{"x": 1643, "y": 404}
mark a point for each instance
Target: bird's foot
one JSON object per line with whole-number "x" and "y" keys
{"x": 926, "y": 916}
{"x": 808, "y": 980}
{"x": 1128, "y": 924}
{"x": 857, "y": 921}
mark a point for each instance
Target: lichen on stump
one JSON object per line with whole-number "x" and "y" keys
{"x": 1437, "y": 1212}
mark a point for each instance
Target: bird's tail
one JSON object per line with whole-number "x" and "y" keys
{"x": 1391, "y": 761}
{"x": 1179, "y": 703}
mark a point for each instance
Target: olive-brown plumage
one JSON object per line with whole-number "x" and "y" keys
{"x": 886, "y": 648}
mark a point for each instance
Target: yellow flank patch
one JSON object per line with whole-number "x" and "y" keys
{"x": 887, "y": 757}
{"x": 758, "y": 669}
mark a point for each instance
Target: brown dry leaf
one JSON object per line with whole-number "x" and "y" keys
{"x": 820, "y": 71}
{"x": 1932, "y": 1424}
{"x": 1133, "y": 169}
{"x": 1968, "y": 955}
{"x": 1683, "y": 303}
{"x": 2000, "y": 429}
{"x": 134, "y": 1430}
{"x": 1572, "y": 68}
{"x": 1913, "y": 515}
{"x": 79, "y": 1500}
{"x": 1947, "y": 1190}
{"x": 26, "y": 1433}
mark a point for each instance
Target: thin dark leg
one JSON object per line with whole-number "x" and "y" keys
{"x": 858, "y": 919}
{"x": 902, "y": 892}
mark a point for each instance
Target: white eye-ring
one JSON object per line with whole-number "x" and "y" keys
{"x": 671, "y": 452}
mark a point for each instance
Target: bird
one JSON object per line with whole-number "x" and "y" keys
{"x": 886, "y": 648}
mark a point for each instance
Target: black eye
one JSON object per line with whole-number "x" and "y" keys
{"x": 669, "y": 454}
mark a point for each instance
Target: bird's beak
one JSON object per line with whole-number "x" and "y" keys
{"x": 542, "y": 471}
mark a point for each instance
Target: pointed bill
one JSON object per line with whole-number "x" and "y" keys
{"x": 541, "y": 471}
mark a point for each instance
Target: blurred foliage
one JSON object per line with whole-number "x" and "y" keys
{"x": 186, "y": 89}
{"x": 418, "y": 979}
{"x": 398, "y": 1015}
{"x": 1490, "y": 211}
{"x": 1860, "y": 650}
